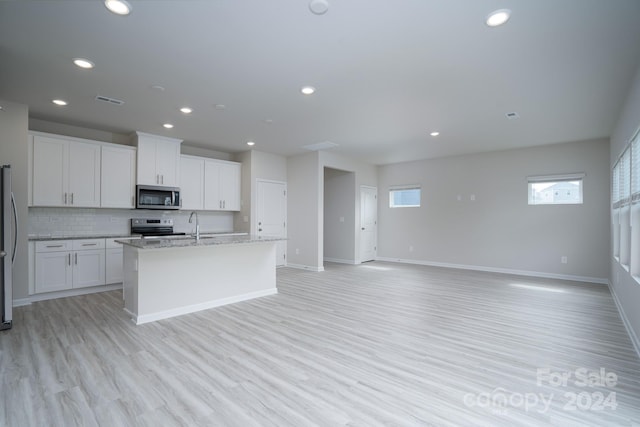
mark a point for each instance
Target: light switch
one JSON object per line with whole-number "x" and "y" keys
{"x": 472, "y": 197}
{"x": 341, "y": 219}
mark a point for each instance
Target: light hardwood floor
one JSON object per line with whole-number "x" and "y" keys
{"x": 368, "y": 345}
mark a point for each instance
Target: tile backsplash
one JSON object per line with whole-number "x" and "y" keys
{"x": 44, "y": 222}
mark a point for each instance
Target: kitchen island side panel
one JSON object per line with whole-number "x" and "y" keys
{"x": 175, "y": 281}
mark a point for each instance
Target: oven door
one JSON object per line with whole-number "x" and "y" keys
{"x": 154, "y": 197}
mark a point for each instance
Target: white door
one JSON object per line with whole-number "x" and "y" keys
{"x": 368, "y": 223}
{"x": 271, "y": 214}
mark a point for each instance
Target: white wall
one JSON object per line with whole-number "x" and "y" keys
{"x": 339, "y": 216}
{"x": 13, "y": 150}
{"x": 499, "y": 230}
{"x": 304, "y": 206}
{"x": 625, "y": 288}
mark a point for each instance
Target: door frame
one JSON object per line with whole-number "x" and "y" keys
{"x": 254, "y": 204}
{"x": 375, "y": 239}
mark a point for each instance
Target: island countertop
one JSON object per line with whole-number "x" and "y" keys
{"x": 188, "y": 241}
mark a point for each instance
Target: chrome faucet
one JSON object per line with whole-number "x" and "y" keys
{"x": 197, "y": 224}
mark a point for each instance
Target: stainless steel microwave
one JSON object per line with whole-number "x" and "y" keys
{"x": 156, "y": 197}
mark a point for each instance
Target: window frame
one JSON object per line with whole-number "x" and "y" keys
{"x": 398, "y": 188}
{"x": 555, "y": 179}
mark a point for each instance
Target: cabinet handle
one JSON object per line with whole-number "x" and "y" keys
{"x": 133, "y": 201}
{"x": 157, "y": 179}
{"x": 76, "y": 258}
{"x": 89, "y": 244}
{"x": 65, "y": 198}
{"x": 69, "y": 259}
{"x": 71, "y": 198}
{"x": 224, "y": 204}
{"x": 162, "y": 179}
{"x": 54, "y": 246}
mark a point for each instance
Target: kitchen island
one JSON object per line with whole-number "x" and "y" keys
{"x": 169, "y": 277}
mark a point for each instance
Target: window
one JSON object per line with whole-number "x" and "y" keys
{"x": 555, "y": 189}
{"x": 405, "y": 196}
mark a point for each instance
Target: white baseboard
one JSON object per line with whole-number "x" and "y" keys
{"x": 146, "y": 318}
{"x": 625, "y": 321}
{"x": 305, "y": 267}
{"x": 341, "y": 261}
{"x": 63, "y": 294}
{"x": 598, "y": 280}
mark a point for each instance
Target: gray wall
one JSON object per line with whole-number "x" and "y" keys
{"x": 498, "y": 230}
{"x": 339, "y": 215}
{"x": 13, "y": 150}
{"x": 625, "y": 287}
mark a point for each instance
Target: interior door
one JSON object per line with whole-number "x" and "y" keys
{"x": 368, "y": 223}
{"x": 271, "y": 214}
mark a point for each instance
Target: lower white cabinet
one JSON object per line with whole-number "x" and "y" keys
{"x": 69, "y": 264}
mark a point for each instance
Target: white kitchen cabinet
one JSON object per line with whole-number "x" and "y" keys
{"x": 192, "y": 182}
{"x": 118, "y": 177}
{"x": 69, "y": 264}
{"x": 65, "y": 172}
{"x": 158, "y": 160}
{"x": 222, "y": 185}
{"x": 53, "y": 268}
{"x": 114, "y": 262}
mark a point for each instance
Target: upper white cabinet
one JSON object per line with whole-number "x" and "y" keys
{"x": 222, "y": 185}
{"x": 158, "y": 160}
{"x": 118, "y": 177}
{"x": 65, "y": 172}
{"x": 192, "y": 182}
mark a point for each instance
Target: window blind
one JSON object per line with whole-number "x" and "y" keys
{"x": 625, "y": 178}
{"x": 615, "y": 191}
{"x": 635, "y": 169}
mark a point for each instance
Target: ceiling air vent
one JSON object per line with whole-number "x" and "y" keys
{"x": 512, "y": 116}
{"x": 324, "y": 145}
{"x": 112, "y": 101}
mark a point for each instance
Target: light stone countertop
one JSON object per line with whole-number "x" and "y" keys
{"x": 189, "y": 241}
{"x": 47, "y": 237}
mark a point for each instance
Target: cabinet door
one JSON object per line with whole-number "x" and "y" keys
{"x": 84, "y": 175}
{"x": 168, "y": 163}
{"x": 212, "y": 196}
{"x": 88, "y": 268}
{"x": 230, "y": 186}
{"x": 114, "y": 266}
{"x": 146, "y": 165}
{"x": 50, "y": 171}
{"x": 53, "y": 271}
{"x": 192, "y": 183}
{"x": 118, "y": 177}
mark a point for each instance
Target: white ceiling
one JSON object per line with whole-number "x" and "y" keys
{"x": 387, "y": 72}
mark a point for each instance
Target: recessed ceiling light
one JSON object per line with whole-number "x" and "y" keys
{"x": 308, "y": 90}
{"x": 60, "y": 102}
{"x": 319, "y": 7}
{"x": 186, "y": 110}
{"x": 158, "y": 88}
{"x": 220, "y": 106}
{"x": 498, "y": 17}
{"x": 251, "y": 143}
{"x": 434, "y": 133}
{"x": 119, "y": 7}
{"x": 268, "y": 121}
{"x": 168, "y": 125}
{"x": 83, "y": 63}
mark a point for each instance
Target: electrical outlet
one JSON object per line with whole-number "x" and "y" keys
{"x": 297, "y": 251}
{"x": 472, "y": 197}
{"x": 563, "y": 259}
{"x": 245, "y": 218}
{"x": 341, "y": 219}
{"x": 410, "y": 248}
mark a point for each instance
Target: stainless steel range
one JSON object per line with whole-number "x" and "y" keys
{"x": 153, "y": 227}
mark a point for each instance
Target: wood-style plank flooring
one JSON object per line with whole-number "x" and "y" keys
{"x": 375, "y": 344}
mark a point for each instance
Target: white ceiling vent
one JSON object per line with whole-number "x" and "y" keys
{"x": 112, "y": 101}
{"x": 324, "y": 145}
{"x": 513, "y": 115}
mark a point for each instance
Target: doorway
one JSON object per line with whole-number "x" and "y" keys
{"x": 368, "y": 223}
{"x": 271, "y": 214}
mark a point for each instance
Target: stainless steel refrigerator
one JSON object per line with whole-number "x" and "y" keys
{"x": 8, "y": 246}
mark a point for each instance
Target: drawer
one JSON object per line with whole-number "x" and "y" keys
{"x": 111, "y": 244}
{"x": 88, "y": 244}
{"x": 54, "y": 246}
